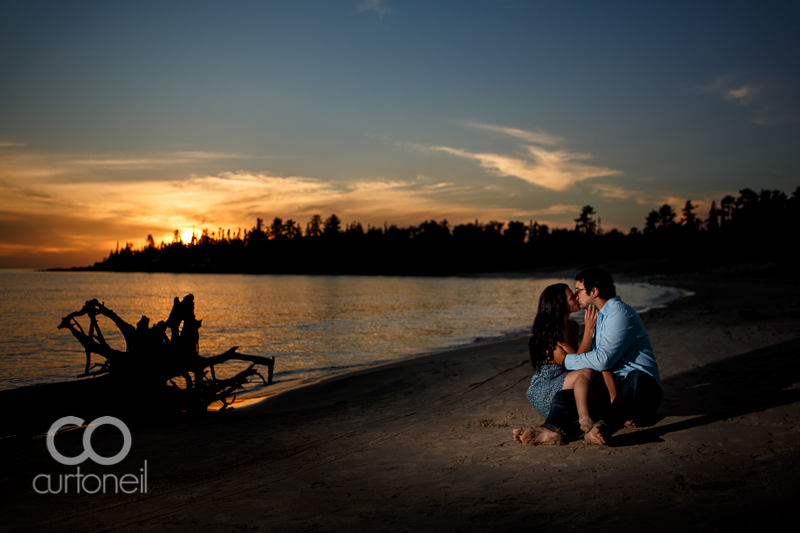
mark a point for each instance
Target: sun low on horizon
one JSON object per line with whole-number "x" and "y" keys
{"x": 128, "y": 120}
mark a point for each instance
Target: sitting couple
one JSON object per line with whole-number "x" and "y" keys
{"x": 611, "y": 380}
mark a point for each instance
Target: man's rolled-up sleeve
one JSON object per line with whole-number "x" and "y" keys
{"x": 618, "y": 335}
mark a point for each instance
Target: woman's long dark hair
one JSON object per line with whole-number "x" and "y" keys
{"x": 548, "y": 326}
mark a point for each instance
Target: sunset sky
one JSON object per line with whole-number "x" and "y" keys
{"x": 123, "y": 120}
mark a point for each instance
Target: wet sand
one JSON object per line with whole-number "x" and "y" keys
{"x": 427, "y": 444}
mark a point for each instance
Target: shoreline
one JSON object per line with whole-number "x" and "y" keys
{"x": 346, "y": 373}
{"x": 318, "y": 374}
{"x": 271, "y": 391}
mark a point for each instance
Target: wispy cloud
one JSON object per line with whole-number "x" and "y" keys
{"x": 732, "y": 89}
{"x": 166, "y": 159}
{"x": 26, "y": 164}
{"x": 6, "y": 144}
{"x": 557, "y": 170}
{"x": 772, "y": 101}
{"x": 545, "y": 166}
{"x": 558, "y": 209}
{"x": 741, "y": 95}
{"x": 23, "y": 191}
{"x": 439, "y": 185}
{"x": 536, "y": 137}
{"x": 378, "y": 6}
{"x": 605, "y": 190}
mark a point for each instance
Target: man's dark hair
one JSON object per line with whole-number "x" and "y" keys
{"x": 597, "y": 277}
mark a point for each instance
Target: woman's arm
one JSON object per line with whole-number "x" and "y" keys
{"x": 589, "y": 321}
{"x": 570, "y": 339}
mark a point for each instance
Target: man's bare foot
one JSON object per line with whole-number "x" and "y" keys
{"x": 538, "y": 435}
{"x": 586, "y": 424}
{"x": 630, "y": 424}
{"x": 598, "y": 435}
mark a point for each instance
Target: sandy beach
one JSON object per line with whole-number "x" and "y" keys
{"x": 426, "y": 444}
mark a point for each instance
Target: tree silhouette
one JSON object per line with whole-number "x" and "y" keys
{"x": 712, "y": 223}
{"x": 430, "y": 230}
{"x": 516, "y": 232}
{"x": 256, "y": 238}
{"x": 537, "y": 232}
{"x": 355, "y": 229}
{"x": 468, "y": 233}
{"x": 276, "y": 229}
{"x": 747, "y": 197}
{"x": 314, "y": 226}
{"x": 291, "y": 229}
{"x": 651, "y": 223}
{"x": 689, "y": 219}
{"x": 333, "y": 225}
{"x": 666, "y": 216}
{"x": 726, "y": 207}
{"x": 585, "y": 223}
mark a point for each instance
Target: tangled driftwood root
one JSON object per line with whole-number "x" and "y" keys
{"x": 162, "y": 363}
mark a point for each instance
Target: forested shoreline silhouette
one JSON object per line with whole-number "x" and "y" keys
{"x": 754, "y": 227}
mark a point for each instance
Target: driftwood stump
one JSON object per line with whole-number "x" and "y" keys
{"x": 162, "y": 364}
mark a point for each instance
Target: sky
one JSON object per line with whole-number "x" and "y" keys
{"x": 123, "y": 119}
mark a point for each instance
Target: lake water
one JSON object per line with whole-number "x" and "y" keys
{"x": 313, "y": 325}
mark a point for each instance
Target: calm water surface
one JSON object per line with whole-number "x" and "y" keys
{"x": 311, "y": 324}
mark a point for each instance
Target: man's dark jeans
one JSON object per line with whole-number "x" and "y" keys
{"x": 638, "y": 398}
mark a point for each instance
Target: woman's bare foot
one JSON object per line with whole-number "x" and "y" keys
{"x": 586, "y": 424}
{"x": 630, "y": 424}
{"x": 538, "y": 435}
{"x": 598, "y": 435}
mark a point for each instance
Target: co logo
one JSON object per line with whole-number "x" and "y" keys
{"x": 88, "y": 451}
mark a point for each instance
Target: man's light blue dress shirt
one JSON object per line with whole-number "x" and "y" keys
{"x": 620, "y": 343}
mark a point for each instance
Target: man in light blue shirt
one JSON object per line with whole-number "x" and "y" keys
{"x": 620, "y": 344}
